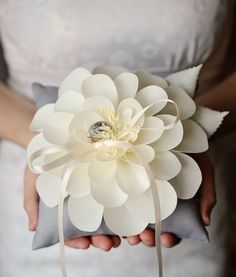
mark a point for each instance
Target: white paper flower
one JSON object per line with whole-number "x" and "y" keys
{"x": 106, "y": 112}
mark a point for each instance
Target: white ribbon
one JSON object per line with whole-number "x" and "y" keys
{"x": 76, "y": 151}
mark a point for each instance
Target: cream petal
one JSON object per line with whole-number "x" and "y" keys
{"x": 56, "y": 129}
{"x": 194, "y": 140}
{"x": 128, "y": 103}
{"x": 41, "y": 116}
{"x": 100, "y": 84}
{"x": 126, "y": 85}
{"x": 170, "y": 138}
{"x": 71, "y": 101}
{"x": 146, "y": 79}
{"x": 188, "y": 181}
{"x": 165, "y": 165}
{"x": 149, "y": 95}
{"x": 79, "y": 182}
{"x": 126, "y": 115}
{"x": 187, "y": 79}
{"x": 168, "y": 198}
{"x": 146, "y": 152}
{"x": 37, "y": 142}
{"x": 208, "y": 119}
{"x": 111, "y": 71}
{"x": 184, "y": 102}
{"x": 98, "y": 103}
{"x": 108, "y": 194}
{"x": 102, "y": 171}
{"x": 141, "y": 207}
{"x": 132, "y": 178}
{"x": 81, "y": 123}
{"x": 121, "y": 222}
{"x": 151, "y": 130}
{"x": 85, "y": 213}
{"x": 74, "y": 80}
{"x": 49, "y": 187}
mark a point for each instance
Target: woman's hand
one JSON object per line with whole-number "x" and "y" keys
{"x": 31, "y": 205}
{"x": 207, "y": 200}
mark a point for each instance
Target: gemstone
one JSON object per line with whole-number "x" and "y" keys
{"x": 101, "y": 130}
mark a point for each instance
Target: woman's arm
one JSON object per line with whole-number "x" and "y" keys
{"x": 222, "y": 98}
{"x": 16, "y": 113}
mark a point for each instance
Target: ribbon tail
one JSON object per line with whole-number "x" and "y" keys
{"x": 157, "y": 208}
{"x": 61, "y": 235}
{"x": 65, "y": 179}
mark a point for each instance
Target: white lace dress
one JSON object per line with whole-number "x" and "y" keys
{"x": 45, "y": 39}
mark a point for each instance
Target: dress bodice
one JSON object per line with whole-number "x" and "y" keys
{"x": 44, "y": 40}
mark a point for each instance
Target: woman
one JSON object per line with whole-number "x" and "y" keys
{"x": 43, "y": 41}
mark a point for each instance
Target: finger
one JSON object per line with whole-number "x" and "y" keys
{"x": 79, "y": 243}
{"x": 116, "y": 241}
{"x": 207, "y": 190}
{"x": 103, "y": 242}
{"x": 133, "y": 240}
{"x": 148, "y": 237}
{"x": 31, "y": 199}
{"x": 169, "y": 240}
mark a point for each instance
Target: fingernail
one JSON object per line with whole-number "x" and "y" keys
{"x": 31, "y": 226}
{"x": 207, "y": 220}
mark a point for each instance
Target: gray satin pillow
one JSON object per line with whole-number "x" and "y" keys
{"x": 185, "y": 222}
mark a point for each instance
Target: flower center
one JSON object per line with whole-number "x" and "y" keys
{"x": 101, "y": 130}
{"x": 112, "y": 129}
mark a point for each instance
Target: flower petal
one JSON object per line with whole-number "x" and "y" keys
{"x": 108, "y": 194}
{"x": 79, "y": 182}
{"x": 151, "y": 130}
{"x": 146, "y": 79}
{"x": 49, "y": 187}
{"x": 71, "y": 101}
{"x": 145, "y": 151}
{"x": 102, "y": 171}
{"x": 187, "y": 79}
{"x": 41, "y": 116}
{"x": 149, "y": 95}
{"x": 168, "y": 198}
{"x": 37, "y": 142}
{"x": 184, "y": 102}
{"x": 74, "y": 80}
{"x": 141, "y": 207}
{"x": 132, "y": 178}
{"x": 194, "y": 140}
{"x": 121, "y": 222}
{"x": 165, "y": 165}
{"x": 111, "y": 71}
{"x": 126, "y": 85}
{"x": 128, "y": 103}
{"x": 56, "y": 129}
{"x": 188, "y": 181}
{"x": 125, "y": 116}
{"x": 100, "y": 84}
{"x": 208, "y": 119}
{"x": 170, "y": 138}
{"x": 85, "y": 213}
{"x": 98, "y": 103}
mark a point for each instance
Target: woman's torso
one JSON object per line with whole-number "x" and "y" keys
{"x": 44, "y": 40}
